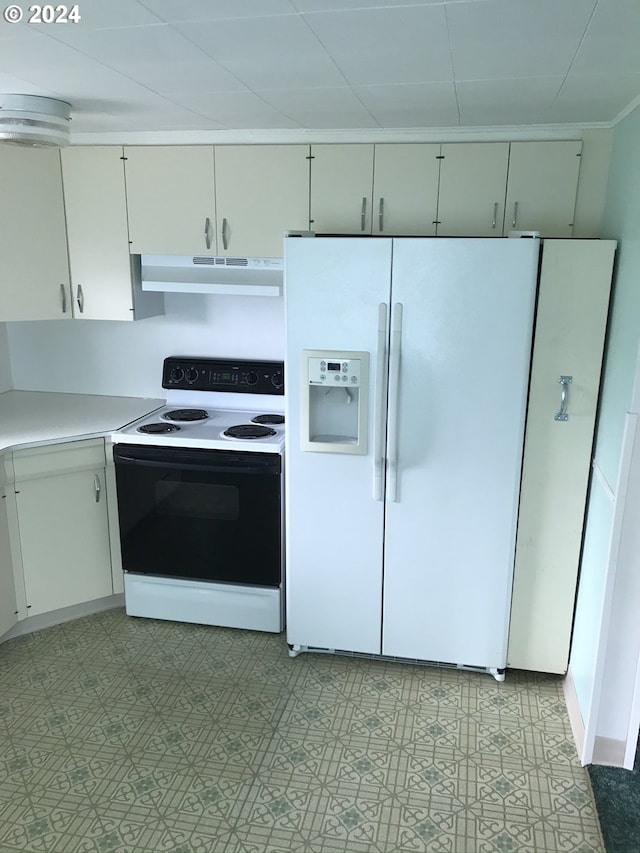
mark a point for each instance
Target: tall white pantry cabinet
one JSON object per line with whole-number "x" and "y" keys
{"x": 573, "y": 301}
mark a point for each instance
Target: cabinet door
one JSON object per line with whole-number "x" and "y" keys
{"x": 341, "y": 189}
{"x": 33, "y": 242}
{"x": 405, "y": 189}
{"x": 261, "y": 192}
{"x": 542, "y": 187}
{"x": 64, "y": 537}
{"x": 8, "y": 608}
{"x": 572, "y": 315}
{"x": 473, "y": 182}
{"x": 96, "y": 211}
{"x": 170, "y": 199}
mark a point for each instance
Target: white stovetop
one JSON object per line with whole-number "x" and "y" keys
{"x": 205, "y": 434}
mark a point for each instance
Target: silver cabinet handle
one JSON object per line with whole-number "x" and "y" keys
{"x": 394, "y": 396}
{"x": 224, "y": 234}
{"x": 97, "y": 487}
{"x": 80, "y": 299}
{"x": 515, "y": 214}
{"x": 63, "y": 298}
{"x": 363, "y": 213}
{"x": 562, "y": 415}
{"x": 381, "y": 395}
{"x": 381, "y": 214}
{"x": 495, "y": 215}
{"x": 207, "y": 233}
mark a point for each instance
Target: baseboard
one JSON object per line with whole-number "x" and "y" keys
{"x": 609, "y": 751}
{"x": 65, "y": 614}
{"x": 575, "y": 717}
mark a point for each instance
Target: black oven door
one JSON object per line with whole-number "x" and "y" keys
{"x": 212, "y": 515}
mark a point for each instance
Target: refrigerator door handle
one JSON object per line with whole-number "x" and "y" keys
{"x": 394, "y": 393}
{"x": 379, "y": 405}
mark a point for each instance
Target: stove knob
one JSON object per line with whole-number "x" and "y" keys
{"x": 176, "y": 374}
{"x": 277, "y": 379}
{"x": 251, "y": 377}
{"x": 191, "y": 374}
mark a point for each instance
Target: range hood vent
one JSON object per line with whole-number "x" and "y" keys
{"x": 217, "y": 275}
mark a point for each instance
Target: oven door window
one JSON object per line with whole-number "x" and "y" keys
{"x": 200, "y": 515}
{"x": 212, "y": 501}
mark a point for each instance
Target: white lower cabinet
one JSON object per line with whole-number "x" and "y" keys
{"x": 573, "y": 301}
{"x": 63, "y": 525}
{"x": 8, "y": 604}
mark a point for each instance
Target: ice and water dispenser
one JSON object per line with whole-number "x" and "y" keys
{"x": 334, "y": 401}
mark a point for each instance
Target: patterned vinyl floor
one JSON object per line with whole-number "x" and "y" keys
{"x": 120, "y": 734}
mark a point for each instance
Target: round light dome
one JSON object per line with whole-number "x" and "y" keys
{"x": 33, "y": 120}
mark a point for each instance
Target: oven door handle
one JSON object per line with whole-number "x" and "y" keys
{"x": 244, "y": 468}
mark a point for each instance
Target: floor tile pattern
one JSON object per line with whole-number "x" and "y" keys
{"x": 134, "y": 735}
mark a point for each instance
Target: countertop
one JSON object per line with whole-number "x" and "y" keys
{"x": 41, "y": 417}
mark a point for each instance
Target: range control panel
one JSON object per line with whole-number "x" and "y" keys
{"x": 216, "y": 374}
{"x": 334, "y": 372}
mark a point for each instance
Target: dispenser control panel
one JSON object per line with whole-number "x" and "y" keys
{"x": 335, "y": 372}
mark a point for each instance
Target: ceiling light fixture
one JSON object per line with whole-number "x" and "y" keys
{"x": 34, "y": 120}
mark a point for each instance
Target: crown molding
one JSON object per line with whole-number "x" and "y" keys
{"x": 505, "y": 133}
{"x": 626, "y": 111}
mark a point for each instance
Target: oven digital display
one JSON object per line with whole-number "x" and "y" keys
{"x": 225, "y": 377}
{"x": 333, "y": 365}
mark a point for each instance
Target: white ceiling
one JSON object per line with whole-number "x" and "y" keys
{"x": 218, "y": 65}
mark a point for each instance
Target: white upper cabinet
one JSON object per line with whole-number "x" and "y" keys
{"x": 104, "y": 279}
{"x": 170, "y": 198}
{"x": 33, "y": 243}
{"x": 405, "y": 189}
{"x": 341, "y": 189}
{"x": 473, "y": 178}
{"x": 261, "y": 192}
{"x": 542, "y": 187}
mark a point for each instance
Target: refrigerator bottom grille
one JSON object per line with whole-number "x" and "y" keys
{"x": 497, "y": 673}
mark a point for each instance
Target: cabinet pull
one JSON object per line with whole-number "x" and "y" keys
{"x": 381, "y": 214}
{"x": 63, "y": 298}
{"x": 515, "y": 214}
{"x": 97, "y": 487}
{"x": 224, "y": 234}
{"x": 562, "y": 415}
{"x": 363, "y": 212}
{"x": 495, "y": 215}
{"x": 80, "y": 299}
{"x": 207, "y": 234}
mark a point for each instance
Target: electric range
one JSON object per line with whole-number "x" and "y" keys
{"x": 200, "y": 496}
{"x": 217, "y": 404}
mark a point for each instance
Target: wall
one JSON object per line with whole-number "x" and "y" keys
{"x": 5, "y": 360}
{"x": 604, "y": 652}
{"x": 125, "y": 359}
{"x": 592, "y": 186}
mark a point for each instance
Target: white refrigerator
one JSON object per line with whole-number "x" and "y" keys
{"x": 400, "y": 529}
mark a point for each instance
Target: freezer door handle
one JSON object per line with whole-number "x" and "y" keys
{"x": 394, "y": 393}
{"x": 378, "y": 425}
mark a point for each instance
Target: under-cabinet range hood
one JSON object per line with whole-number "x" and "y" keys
{"x": 217, "y": 275}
